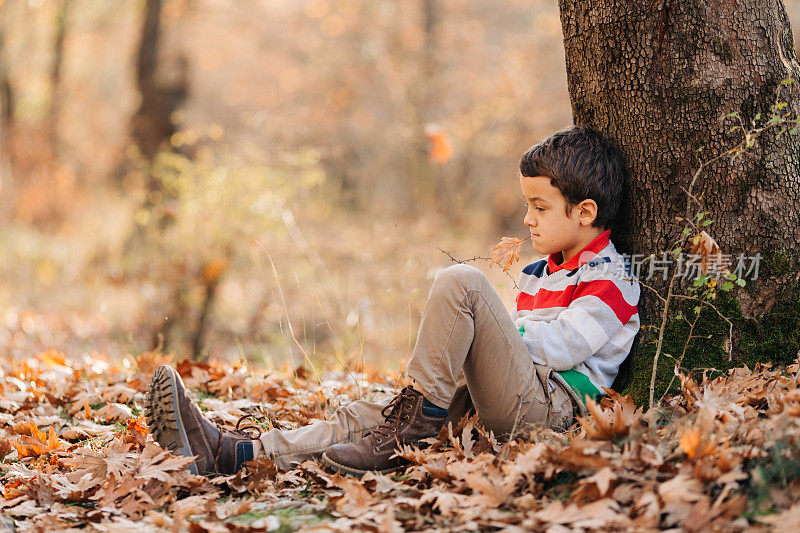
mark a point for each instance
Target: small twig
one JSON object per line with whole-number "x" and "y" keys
{"x": 462, "y": 261}
{"x": 477, "y": 258}
{"x": 712, "y": 306}
{"x": 507, "y": 445}
{"x": 646, "y": 286}
{"x": 683, "y": 353}
{"x": 660, "y": 342}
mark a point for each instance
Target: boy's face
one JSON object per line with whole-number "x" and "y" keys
{"x": 552, "y": 229}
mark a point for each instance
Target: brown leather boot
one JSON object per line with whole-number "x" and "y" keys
{"x": 177, "y": 424}
{"x": 405, "y": 424}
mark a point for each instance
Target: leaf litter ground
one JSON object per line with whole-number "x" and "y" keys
{"x": 723, "y": 454}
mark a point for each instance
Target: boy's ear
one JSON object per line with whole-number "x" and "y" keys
{"x": 587, "y": 212}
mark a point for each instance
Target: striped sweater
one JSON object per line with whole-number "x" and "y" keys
{"x": 580, "y": 317}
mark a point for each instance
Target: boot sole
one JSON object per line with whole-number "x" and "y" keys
{"x": 164, "y": 415}
{"x": 336, "y": 467}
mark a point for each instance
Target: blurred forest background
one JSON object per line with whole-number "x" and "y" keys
{"x": 269, "y": 179}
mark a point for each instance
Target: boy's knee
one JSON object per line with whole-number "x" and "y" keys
{"x": 466, "y": 276}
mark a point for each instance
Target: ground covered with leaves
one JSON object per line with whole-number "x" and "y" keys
{"x": 76, "y": 454}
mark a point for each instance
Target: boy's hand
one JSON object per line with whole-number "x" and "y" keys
{"x": 506, "y": 250}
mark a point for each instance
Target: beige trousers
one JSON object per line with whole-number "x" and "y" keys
{"x": 469, "y": 355}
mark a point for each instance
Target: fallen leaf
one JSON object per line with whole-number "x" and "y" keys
{"x": 356, "y": 500}
{"x": 38, "y": 443}
{"x": 135, "y": 432}
{"x": 147, "y": 362}
{"x": 611, "y": 423}
{"x": 114, "y": 412}
{"x": 159, "y": 464}
{"x": 696, "y": 443}
{"x": 5, "y": 448}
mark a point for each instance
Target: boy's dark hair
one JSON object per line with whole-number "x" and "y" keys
{"x": 581, "y": 164}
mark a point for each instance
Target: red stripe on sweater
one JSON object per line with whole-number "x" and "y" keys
{"x": 544, "y": 299}
{"x": 604, "y": 289}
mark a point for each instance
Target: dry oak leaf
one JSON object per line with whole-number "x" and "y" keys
{"x": 437, "y": 467}
{"x": 125, "y": 494}
{"x": 506, "y": 252}
{"x": 197, "y": 504}
{"x": 697, "y": 443}
{"x": 135, "y": 432}
{"x": 682, "y": 488}
{"x": 646, "y": 510}
{"x": 73, "y": 491}
{"x": 604, "y": 513}
{"x": 228, "y": 509}
{"x": 5, "y": 448}
{"x": 709, "y": 251}
{"x": 788, "y": 402}
{"x": 86, "y": 429}
{"x": 38, "y": 443}
{"x": 114, "y": 412}
{"x": 356, "y": 500}
{"x": 119, "y": 393}
{"x": 260, "y": 473}
{"x": 381, "y": 483}
{"x": 580, "y": 454}
{"x": 604, "y": 479}
{"x": 534, "y": 460}
{"x": 160, "y": 464}
{"x": 147, "y": 362}
{"x": 23, "y": 427}
{"x": 443, "y": 501}
{"x": 613, "y": 423}
{"x": 53, "y": 357}
{"x": 491, "y": 487}
{"x": 114, "y": 460}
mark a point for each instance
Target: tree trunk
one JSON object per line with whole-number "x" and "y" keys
{"x": 6, "y": 119}
{"x": 152, "y": 125}
{"x": 659, "y": 77}
{"x": 6, "y": 92}
{"x": 55, "y": 72}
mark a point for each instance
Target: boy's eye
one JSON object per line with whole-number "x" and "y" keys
{"x": 527, "y": 206}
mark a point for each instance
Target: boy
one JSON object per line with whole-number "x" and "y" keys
{"x": 575, "y": 322}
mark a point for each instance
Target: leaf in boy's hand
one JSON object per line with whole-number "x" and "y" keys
{"x": 506, "y": 252}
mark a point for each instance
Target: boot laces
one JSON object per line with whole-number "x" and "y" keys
{"x": 241, "y": 430}
{"x": 238, "y": 432}
{"x": 397, "y": 411}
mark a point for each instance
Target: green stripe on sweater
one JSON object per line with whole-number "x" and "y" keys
{"x": 581, "y": 384}
{"x": 578, "y": 381}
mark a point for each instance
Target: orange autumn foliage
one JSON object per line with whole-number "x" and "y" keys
{"x": 440, "y": 151}
{"x": 38, "y": 443}
{"x": 615, "y": 417}
{"x": 506, "y": 252}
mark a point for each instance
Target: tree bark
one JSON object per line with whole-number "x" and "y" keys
{"x": 658, "y": 77}
{"x": 55, "y": 71}
{"x": 6, "y": 91}
{"x": 152, "y": 124}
